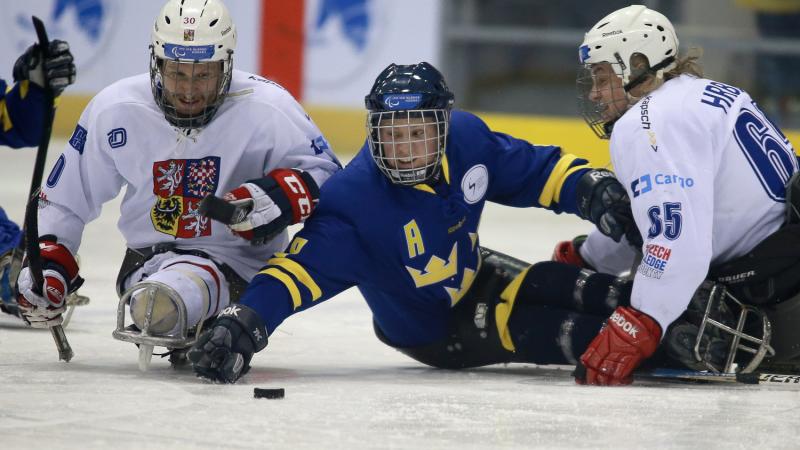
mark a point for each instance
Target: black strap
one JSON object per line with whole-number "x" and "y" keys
{"x": 640, "y": 79}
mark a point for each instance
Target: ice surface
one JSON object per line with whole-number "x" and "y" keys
{"x": 344, "y": 389}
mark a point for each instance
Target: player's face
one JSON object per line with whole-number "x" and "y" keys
{"x": 607, "y": 92}
{"x": 409, "y": 142}
{"x": 191, "y": 87}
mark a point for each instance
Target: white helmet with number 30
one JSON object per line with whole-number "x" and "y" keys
{"x": 191, "y": 61}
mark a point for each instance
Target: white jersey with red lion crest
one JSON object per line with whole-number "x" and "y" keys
{"x": 123, "y": 140}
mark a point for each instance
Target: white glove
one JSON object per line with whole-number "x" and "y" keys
{"x": 42, "y": 311}
{"x": 263, "y": 209}
{"x": 282, "y": 198}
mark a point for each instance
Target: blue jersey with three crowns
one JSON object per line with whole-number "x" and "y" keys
{"x": 411, "y": 251}
{"x": 21, "y": 114}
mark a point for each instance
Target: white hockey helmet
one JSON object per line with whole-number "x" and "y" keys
{"x": 633, "y": 29}
{"x": 192, "y": 33}
{"x": 614, "y": 40}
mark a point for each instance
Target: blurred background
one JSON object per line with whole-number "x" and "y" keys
{"x": 511, "y": 61}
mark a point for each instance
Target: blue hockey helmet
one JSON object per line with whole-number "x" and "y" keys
{"x": 407, "y": 122}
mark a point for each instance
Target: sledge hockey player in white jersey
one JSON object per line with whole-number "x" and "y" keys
{"x": 191, "y": 127}
{"x": 707, "y": 174}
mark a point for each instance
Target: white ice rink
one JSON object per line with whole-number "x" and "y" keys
{"x": 344, "y": 389}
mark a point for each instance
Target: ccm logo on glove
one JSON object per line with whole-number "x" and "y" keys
{"x": 301, "y": 201}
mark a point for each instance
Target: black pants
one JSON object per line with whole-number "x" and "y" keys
{"x": 545, "y": 325}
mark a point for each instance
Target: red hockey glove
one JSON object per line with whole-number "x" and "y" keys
{"x": 60, "y": 271}
{"x": 568, "y": 252}
{"x": 282, "y": 198}
{"x": 628, "y": 337}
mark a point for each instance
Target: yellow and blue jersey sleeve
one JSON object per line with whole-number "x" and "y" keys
{"x": 321, "y": 261}
{"x": 21, "y": 114}
{"x": 521, "y": 174}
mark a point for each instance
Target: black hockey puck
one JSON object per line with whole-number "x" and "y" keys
{"x": 269, "y": 393}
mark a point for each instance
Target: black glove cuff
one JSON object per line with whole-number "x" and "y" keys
{"x": 248, "y": 322}
{"x": 589, "y": 185}
{"x": 310, "y": 182}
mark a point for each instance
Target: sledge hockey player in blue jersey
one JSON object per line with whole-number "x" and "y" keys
{"x": 400, "y": 222}
{"x": 21, "y": 112}
{"x": 715, "y": 192}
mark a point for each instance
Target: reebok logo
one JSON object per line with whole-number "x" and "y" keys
{"x": 597, "y": 175}
{"x": 626, "y": 326}
{"x": 232, "y": 310}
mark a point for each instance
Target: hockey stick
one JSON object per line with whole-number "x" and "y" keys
{"x": 31, "y": 210}
{"x": 218, "y": 209}
{"x": 772, "y": 379}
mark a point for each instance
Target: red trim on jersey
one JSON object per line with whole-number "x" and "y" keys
{"x": 282, "y": 43}
{"x": 213, "y": 273}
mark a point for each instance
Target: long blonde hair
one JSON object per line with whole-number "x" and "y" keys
{"x": 685, "y": 64}
{"x": 688, "y": 63}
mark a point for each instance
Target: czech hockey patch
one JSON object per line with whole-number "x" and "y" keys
{"x": 179, "y": 185}
{"x": 654, "y": 261}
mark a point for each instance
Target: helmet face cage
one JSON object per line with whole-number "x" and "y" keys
{"x": 407, "y": 146}
{"x": 189, "y": 92}
{"x": 593, "y": 111}
{"x": 748, "y": 335}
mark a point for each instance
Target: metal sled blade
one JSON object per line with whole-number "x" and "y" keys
{"x": 145, "y": 355}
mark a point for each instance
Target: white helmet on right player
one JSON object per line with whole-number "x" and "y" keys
{"x": 191, "y": 61}
{"x": 614, "y": 40}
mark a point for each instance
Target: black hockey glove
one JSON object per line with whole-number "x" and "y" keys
{"x": 603, "y": 201}
{"x": 223, "y": 352}
{"x": 56, "y": 70}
